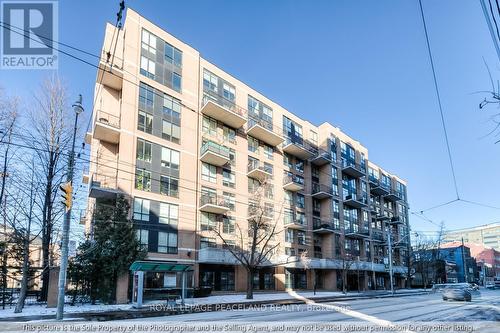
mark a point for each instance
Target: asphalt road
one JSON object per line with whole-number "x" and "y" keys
{"x": 421, "y": 308}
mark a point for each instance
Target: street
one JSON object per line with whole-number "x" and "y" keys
{"x": 421, "y": 308}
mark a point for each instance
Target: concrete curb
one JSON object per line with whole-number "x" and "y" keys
{"x": 163, "y": 310}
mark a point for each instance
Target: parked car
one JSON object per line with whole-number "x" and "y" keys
{"x": 490, "y": 285}
{"x": 457, "y": 294}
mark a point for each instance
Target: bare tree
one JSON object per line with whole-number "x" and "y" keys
{"x": 347, "y": 260}
{"x": 50, "y": 132}
{"x": 255, "y": 240}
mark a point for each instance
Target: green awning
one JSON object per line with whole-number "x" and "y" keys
{"x": 159, "y": 266}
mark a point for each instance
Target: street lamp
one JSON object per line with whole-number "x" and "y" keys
{"x": 78, "y": 108}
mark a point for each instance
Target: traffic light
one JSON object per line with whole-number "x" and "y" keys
{"x": 67, "y": 194}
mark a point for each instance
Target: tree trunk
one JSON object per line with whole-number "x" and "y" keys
{"x": 24, "y": 280}
{"x": 250, "y": 283}
{"x": 47, "y": 234}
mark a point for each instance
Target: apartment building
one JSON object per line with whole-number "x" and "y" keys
{"x": 189, "y": 145}
{"x": 487, "y": 235}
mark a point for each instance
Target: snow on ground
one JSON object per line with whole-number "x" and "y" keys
{"x": 37, "y": 310}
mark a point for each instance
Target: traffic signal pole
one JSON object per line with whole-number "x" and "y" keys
{"x": 67, "y": 218}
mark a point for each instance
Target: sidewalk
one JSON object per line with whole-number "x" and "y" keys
{"x": 211, "y": 303}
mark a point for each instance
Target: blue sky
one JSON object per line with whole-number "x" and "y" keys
{"x": 361, "y": 65}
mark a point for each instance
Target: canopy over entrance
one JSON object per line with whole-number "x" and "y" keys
{"x": 159, "y": 266}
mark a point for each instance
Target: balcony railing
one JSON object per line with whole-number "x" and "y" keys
{"x": 107, "y": 127}
{"x": 293, "y": 222}
{"x": 356, "y": 231}
{"x": 350, "y": 168}
{"x": 321, "y": 191}
{"x": 212, "y": 203}
{"x": 259, "y": 170}
{"x": 393, "y": 195}
{"x": 325, "y": 226}
{"x": 293, "y": 183}
{"x": 214, "y": 153}
{"x": 103, "y": 186}
{"x": 322, "y": 157}
{"x": 263, "y": 130}
{"x": 355, "y": 201}
{"x": 297, "y": 146}
{"x": 222, "y": 109}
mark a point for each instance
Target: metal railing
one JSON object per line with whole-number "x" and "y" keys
{"x": 298, "y": 141}
{"x": 103, "y": 181}
{"x": 345, "y": 163}
{"x": 222, "y": 102}
{"x": 106, "y": 118}
{"x": 293, "y": 179}
{"x": 325, "y": 224}
{"x": 261, "y": 122}
{"x": 316, "y": 188}
{"x": 355, "y": 197}
{"x": 214, "y": 148}
{"x": 213, "y": 199}
{"x": 258, "y": 165}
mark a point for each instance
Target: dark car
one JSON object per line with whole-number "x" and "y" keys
{"x": 457, "y": 294}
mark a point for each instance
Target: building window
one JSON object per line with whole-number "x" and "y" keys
{"x": 228, "y": 178}
{"x": 229, "y": 92}
{"x": 208, "y": 221}
{"x": 299, "y": 165}
{"x": 145, "y": 122}
{"x": 144, "y": 150}
{"x": 300, "y": 201}
{"x": 289, "y": 235}
{"x": 146, "y": 96}
{"x": 301, "y": 238}
{"x": 167, "y": 242}
{"x": 268, "y": 151}
{"x": 253, "y": 145}
{"x": 169, "y": 186}
{"x": 141, "y": 209}
{"x": 170, "y": 131}
{"x": 206, "y": 242}
{"x": 229, "y": 199}
{"x": 288, "y": 197}
{"x": 229, "y": 134}
{"x": 169, "y": 213}
{"x": 170, "y": 158}
{"x": 209, "y": 172}
{"x": 142, "y": 236}
{"x": 148, "y": 67}
{"x": 287, "y": 160}
{"x": 210, "y": 81}
{"x": 314, "y": 137}
{"x": 173, "y": 55}
{"x": 148, "y": 41}
{"x": 209, "y": 126}
{"x": 176, "y": 82}
{"x": 142, "y": 179}
{"x": 228, "y": 225}
{"x": 269, "y": 191}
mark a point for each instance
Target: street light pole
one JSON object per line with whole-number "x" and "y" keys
{"x": 389, "y": 243}
{"x": 77, "y": 107}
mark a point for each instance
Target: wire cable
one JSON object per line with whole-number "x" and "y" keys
{"x": 443, "y": 123}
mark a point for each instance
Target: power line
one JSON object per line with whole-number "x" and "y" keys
{"x": 443, "y": 123}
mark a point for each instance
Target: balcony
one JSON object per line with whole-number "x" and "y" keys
{"x": 377, "y": 188}
{"x": 293, "y": 183}
{"x": 395, "y": 220}
{"x": 320, "y": 191}
{"x": 377, "y": 236}
{"x": 321, "y": 158}
{"x": 393, "y": 196}
{"x": 214, "y": 153}
{"x": 257, "y": 213}
{"x": 293, "y": 223}
{"x": 103, "y": 186}
{"x": 107, "y": 127}
{"x": 351, "y": 169}
{"x": 355, "y": 201}
{"x": 224, "y": 111}
{"x": 211, "y": 203}
{"x": 216, "y": 256}
{"x": 110, "y": 73}
{"x": 355, "y": 232}
{"x": 263, "y": 131}
{"x": 85, "y": 175}
{"x": 299, "y": 148}
{"x": 325, "y": 227}
{"x": 259, "y": 171}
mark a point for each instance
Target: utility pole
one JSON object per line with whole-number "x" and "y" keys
{"x": 463, "y": 261}
{"x": 77, "y": 107}
{"x": 389, "y": 243}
